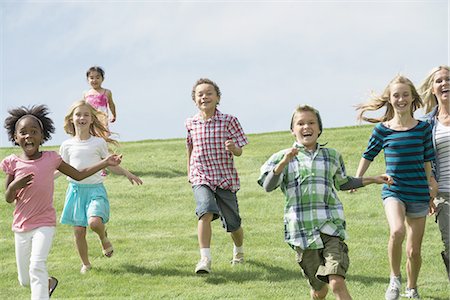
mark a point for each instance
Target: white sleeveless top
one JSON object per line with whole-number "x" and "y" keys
{"x": 443, "y": 156}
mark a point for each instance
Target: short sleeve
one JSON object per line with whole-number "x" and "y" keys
{"x": 188, "y": 126}
{"x": 237, "y": 133}
{"x": 55, "y": 158}
{"x": 375, "y": 144}
{"x": 103, "y": 149}
{"x": 6, "y": 165}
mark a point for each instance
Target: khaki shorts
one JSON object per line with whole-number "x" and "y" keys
{"x": 318, "y": 264}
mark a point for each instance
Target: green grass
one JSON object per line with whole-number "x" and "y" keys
{"x": 153, "y": 229}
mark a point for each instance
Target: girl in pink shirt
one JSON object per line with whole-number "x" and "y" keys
{"x": 99, "y": 97}
{"x": 29, "y": 185}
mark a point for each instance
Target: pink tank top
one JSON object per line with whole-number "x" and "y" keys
{"x": 98, "y": 101}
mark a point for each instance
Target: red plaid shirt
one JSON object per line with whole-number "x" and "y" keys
{"x": 211, "y": 164}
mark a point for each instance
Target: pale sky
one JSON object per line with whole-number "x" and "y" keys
{"x": 266, "y": 56}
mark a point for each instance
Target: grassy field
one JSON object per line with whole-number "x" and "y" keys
{"x": 153, "y": 229}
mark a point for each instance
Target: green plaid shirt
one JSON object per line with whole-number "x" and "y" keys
{"x": 310, "y": 182}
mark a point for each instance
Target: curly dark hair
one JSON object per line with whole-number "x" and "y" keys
{"x": 207, "y": 81}
{"x": 39, "y": 112}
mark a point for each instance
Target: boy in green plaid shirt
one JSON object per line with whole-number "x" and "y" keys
{"x": 309, "y": 175}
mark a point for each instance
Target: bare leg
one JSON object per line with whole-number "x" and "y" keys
{"x": 238, "y": 237}
{"x": 204, "y": 230}
{"x": 395, "y": 214}
{"x": 415, "y": 230}
{"x": 82, "y": 247}
{"x": 339, "y": 288}
{"x": 96, "y": 224}
{"x": 319, "y": 295}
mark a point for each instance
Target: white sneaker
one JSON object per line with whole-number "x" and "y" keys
{"x": 203, "y": 266}
{"x": 393, "y": 290}
{"x": 85, "y": 269}
{"x": 238, "y": 258}
{"x": 411, "y": 293}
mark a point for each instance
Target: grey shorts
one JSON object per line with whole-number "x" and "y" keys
{"x": 443, "y": 217}
{"x": 221, "y": 203}
{"x": 318, "y": 264}
{"x": 413, "y": 209}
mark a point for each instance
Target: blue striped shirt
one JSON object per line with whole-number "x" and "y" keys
{"x": 405, "y": 153}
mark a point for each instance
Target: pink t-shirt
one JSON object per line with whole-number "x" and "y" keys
{"x": 34, "y": 203}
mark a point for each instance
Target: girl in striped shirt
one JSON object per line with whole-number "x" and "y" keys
{"x": 408, "y": 151}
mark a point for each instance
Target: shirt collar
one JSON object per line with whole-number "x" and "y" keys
{"x": 300, "y": 146}
{"x": 216, "y": 115}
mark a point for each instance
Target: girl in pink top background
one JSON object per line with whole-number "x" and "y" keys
{"x": 99, "y": 97}
{"x": 30, "y": 185}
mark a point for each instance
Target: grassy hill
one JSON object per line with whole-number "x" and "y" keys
{"x": 153, "y": 229}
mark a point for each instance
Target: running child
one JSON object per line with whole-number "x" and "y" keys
{"x": 309, "y": 176}
{"x": 408, "y": 152}
{"x": 86, "y": 201}
{"x": 99, "y": 97}
{"x": 213, "y": 138}
{"x": 30, "y": 185}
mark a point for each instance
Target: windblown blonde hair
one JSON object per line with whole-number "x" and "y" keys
{"x": 376, "y": 102}
{"x": 426, "y": 89}
{"x": 96, "y": 129}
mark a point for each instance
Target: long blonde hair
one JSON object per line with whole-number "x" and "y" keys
{"x": 426, "y": 89}
{"x": 376, "y": 102}
{"x": 96, "y": 129}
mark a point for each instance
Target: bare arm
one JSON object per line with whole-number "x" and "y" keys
{"x": 65, "y": 168}
{"x": 189, "y": 153}
{"x": 362, "y": 167}
{"x": 118, "y": 170}
{"x": 112, "y": 107}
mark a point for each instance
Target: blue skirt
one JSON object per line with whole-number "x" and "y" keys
{"x": 84, "y": 201}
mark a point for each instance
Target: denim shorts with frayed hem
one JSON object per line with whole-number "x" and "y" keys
{"x": 221, "y": 203}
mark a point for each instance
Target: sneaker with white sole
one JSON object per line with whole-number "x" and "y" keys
{"x": 203, "y": 266}
{"x": 411, "y": 293}
{"x": 238, "y": 258}
{"x": 393, "y": 290}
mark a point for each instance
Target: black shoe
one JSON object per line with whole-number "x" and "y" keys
{"x": 53, "y": 282}
{"x": 445, "y": 258}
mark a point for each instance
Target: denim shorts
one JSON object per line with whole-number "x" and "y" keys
{"x": 84, "y": 201}
{"x": 221, "y": 203}
{"x": 416, "y": 209}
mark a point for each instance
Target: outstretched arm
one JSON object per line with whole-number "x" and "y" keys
{"x": 362, "y": 167}
{"x": 118, "y": 170}
{"x": 65, "y": 168}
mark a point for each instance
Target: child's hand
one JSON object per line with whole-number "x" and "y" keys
{"x": 21, "y": 182}
{"x": 432, "y": 207}
{"x": 230, "y": 146}
{"x": 290, "y": 154}
{"x": 134, "y": 179}
{"x": 114, "y": 160}
{"x": 434, "y": 187}
{"x": 384, "y": 178}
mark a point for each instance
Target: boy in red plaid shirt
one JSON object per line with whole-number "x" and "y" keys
{"x": 212, "y": 140}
